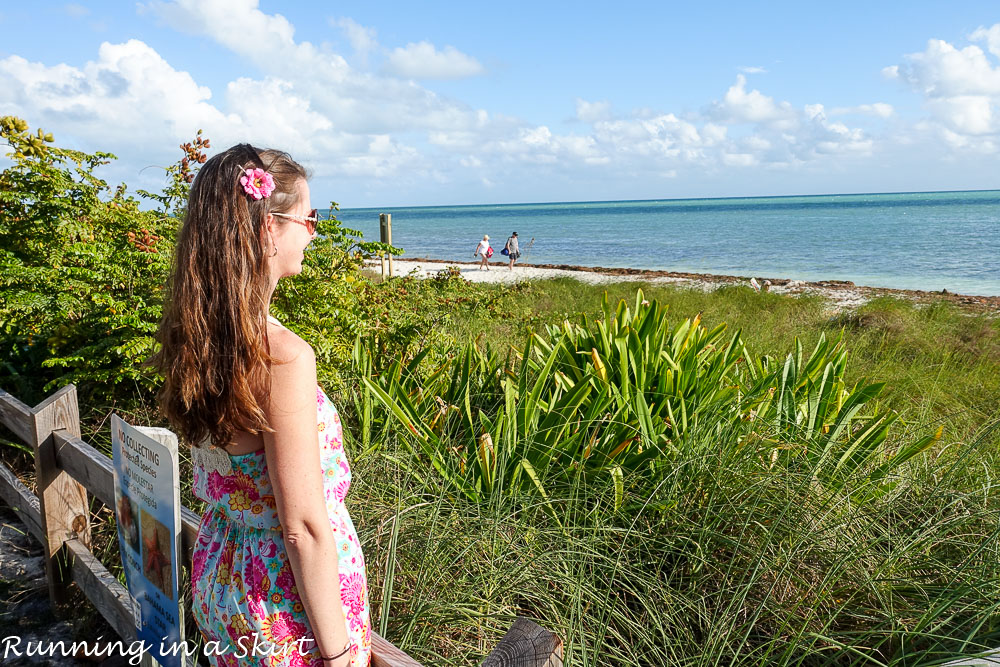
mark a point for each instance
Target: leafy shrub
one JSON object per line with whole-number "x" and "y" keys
{"x": 82, "y": 268}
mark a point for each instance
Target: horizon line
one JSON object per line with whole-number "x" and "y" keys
{"x": 670, "y": 199}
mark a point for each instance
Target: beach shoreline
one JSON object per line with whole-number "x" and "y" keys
{"x": 843, "y": 294}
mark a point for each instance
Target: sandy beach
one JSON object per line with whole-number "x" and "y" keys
{"x": 843, "y": 295}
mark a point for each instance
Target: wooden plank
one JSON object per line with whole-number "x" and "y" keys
{"x": 24, "y": 503}
{"x": 87, "y": 465}
{"x": 17, "y": 417}
{"x": 526, "y": 644}
{"x": 110, "y": 598}
{"x": 65, "y": 511}
{"x": 384, "y": 654}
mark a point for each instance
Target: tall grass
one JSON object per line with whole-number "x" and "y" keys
{"x": 738, "y": 550}
{"x": 723, "y": 562}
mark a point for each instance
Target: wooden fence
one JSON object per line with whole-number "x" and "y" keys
{"x": 67, "y": 469}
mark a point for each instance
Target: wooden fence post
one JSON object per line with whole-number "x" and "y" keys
{"x": 65, "y": 512}
{"x": 385, "y": 236}
{"x": 381, "y": 239}
{"x": 526, "y": 644}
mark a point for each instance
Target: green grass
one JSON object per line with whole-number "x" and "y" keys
{"x": 724, "y": 564}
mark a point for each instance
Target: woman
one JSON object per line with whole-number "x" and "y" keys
{"x": 277, "y": 563}
{"x": 484, "y": 249}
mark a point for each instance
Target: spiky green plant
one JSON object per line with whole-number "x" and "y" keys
{"x": 622, "y": 396}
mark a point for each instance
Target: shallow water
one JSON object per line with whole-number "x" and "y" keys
{"x": 927, "y": 240}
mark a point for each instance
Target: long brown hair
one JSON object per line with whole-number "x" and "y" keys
{"x": 214, "y": 352}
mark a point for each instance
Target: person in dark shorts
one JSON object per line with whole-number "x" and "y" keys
{"x": 512, "y": 250}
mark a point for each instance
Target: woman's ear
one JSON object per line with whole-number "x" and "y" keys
{"x": 267, "y": 233}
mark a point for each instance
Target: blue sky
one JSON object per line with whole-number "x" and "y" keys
{"x": 395, "y": 104}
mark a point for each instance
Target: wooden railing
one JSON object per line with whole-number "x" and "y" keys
{"x": 67, "y": 469}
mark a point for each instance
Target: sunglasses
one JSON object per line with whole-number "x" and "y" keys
{"x": 310, "y": 221}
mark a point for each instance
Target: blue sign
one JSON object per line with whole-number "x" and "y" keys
{"x": 148, "y": 509}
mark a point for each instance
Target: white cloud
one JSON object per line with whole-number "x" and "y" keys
{"x": 782, "y": 136}
{"x": 274, "y": 115}
{"x": 355, "y": 101}
{"x": 128, "y": 96}
{"x": 838, "y": 139}
{"x": 310, "y": 101}
{"x": 960, "y": 86}
{"x": 591, "y": 112}
{"x": 989, "y": 35}
{"x": 814, "y": 111}
{"x": 752, "y": 70}
{"x": 965, "y": 114}
{"x": 383, "y": 158}
{"x": 362, "y": 39}
{"x": 236, "y": 24}
{"x": 421, "y": 60}
{"x": 713, "y": 134}
{"x": 942, "y": 70}
{"x": 880, "y": 109}
{"x": 756, "y": 144}
{"x": 133, "y": 103}
{"x": 663, "y": 137}
{"x": 739, "y": 159}
{"x": 742, "y": 106}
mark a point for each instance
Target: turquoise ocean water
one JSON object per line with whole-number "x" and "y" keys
{"x": 927, "y": 240}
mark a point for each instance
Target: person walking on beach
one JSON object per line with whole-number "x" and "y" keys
{"x": 511, "y": 248}
{"x": 277, "y": 561}
{"x": 486, "y": 251}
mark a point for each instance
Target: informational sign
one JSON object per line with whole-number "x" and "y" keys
{"x": 148, "y": 509}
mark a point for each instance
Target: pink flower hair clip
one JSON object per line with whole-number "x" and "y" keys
{"x": 257, "y": 183}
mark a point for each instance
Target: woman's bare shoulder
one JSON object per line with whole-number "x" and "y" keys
{"x": 291, "y": 353}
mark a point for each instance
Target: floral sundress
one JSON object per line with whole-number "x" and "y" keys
{"x": 243, "y": 592}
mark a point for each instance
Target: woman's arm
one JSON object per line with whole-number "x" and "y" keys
{"x": 293, "y": 463}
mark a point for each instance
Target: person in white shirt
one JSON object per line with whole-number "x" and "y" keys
{"x": 485, "y": 250}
